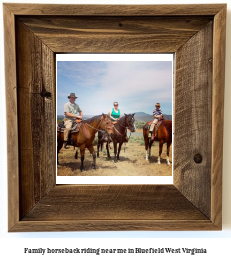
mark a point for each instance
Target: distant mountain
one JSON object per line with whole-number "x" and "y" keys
{"x": 139, "y": 116}
{"x": 142, "y": 116}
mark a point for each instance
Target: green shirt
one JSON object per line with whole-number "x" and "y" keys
{"x": 74, "y": 109}
{"x": 115, "y": 114}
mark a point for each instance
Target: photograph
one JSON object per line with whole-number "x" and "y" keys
{"x": 114, "y": 115}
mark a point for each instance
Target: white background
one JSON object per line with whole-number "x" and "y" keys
{"x": 217, "y": 243}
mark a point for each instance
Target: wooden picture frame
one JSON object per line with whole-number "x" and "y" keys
{"x": 33, "y": 34}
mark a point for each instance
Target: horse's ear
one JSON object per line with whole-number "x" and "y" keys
{"x": 125, "y": 114}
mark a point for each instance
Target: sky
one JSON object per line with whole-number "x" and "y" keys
{"x": 135, "y": 85}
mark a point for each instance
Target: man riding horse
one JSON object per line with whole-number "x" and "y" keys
{"x": 71, "y": 110}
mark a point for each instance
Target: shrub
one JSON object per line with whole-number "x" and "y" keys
{"x": 139, "y": 124}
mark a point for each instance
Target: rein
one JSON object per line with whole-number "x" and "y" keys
{"x": 123, "y": 127}
{"x": 98, "y": 127}
{"x": 166, "y": 127}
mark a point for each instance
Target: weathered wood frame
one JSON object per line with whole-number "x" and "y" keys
{"x": 33, "y": 34}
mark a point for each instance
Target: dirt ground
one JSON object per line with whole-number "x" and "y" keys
{"x": 132, "y": 161}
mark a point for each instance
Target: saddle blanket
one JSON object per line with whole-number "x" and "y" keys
{"x": 150, "y": 123}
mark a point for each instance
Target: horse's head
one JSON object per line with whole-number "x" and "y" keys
{"x": 130, "y": 122}
{"x": 106, "y": 124}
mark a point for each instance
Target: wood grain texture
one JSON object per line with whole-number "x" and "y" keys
{"x": 115, "y": 34}
{"x": 36, "y": 105}
{"x": 108, "y": 202}
{"x": 12, "y": 118}
{"x": 193, "y": 114}
{"x": 194, "y": 201}
{"x": 114, "y": 207}
{"x": 114, "y": 10}
{"x": 218, "y": 114}
{"x": 114, "y": 225}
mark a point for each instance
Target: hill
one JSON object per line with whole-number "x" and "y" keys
{"x": 142, "y": 116}
{"x": 139, "y": 116}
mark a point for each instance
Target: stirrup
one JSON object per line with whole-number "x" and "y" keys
{"x": 65, "y": 146}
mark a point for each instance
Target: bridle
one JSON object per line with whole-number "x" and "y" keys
{"x": 126, "y": 127}
{"x": 101, "y": 122}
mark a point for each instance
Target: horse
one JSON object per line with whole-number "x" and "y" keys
{"x": 164, "y": 135}
{"x": 119, "y": 135}
{"x": 86, "y": 134}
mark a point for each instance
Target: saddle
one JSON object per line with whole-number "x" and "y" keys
{"x": 74, "y": 128}
{"x": 150, "y": 123}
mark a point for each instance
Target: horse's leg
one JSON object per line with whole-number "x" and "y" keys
{"x": 118, "y": 153}
{"x": 60, "y": 145}
{"x": 91, "y": 149}
{"x": 108, "y": 153}
{"x": 98, "y": 145}
{"x": 76, "y": 154}
{"x": 82, "y": 151}
{"x": 115, "y": 151}
{"x": 168, "y": 149}
{"x": 149, "y": 148}
{"x": 161, "y": 142}
{"x": 146, "y": 142}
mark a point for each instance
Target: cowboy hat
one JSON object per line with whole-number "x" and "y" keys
{"x": 72, "y": 95}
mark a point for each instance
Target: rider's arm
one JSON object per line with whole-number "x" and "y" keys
{"x": 158, "y": 117}
{"x": 70, "y": 115}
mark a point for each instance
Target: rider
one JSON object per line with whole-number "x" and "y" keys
{"x": 157, "y": 113}
{"x": 71, "y": 110}
{"x": 114, "y": 113}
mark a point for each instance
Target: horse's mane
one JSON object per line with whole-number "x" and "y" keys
{"x": 92, "y": 119}
{"x": 125, "y": 116}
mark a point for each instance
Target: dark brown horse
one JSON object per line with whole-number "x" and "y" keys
{"x": 119, "y": 136}
{"x": 86, "y": 134}
{"x": 164, "y": 135}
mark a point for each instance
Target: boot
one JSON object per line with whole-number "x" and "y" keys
{"x": 65, "y": 145}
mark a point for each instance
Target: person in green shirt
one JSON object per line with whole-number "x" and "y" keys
{"x": 114, "y": 113}
{"x": 72, "y": 112}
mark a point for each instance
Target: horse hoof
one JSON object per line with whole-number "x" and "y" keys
{"x": 115, "y": 161}
{"x": 83, "y": 169}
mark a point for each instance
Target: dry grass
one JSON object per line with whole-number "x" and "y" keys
{"x": 132, "y": 161}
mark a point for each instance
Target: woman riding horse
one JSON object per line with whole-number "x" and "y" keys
{"x": 119, "y": 135}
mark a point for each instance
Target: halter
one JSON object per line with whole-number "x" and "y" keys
{"x": 123, "y": 127}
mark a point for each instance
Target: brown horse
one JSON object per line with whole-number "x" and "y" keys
{"x": 86, "y": 134}
{"x": 164, "y": 135}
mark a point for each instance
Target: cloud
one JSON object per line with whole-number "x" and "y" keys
{"x": 99, "y": 84}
